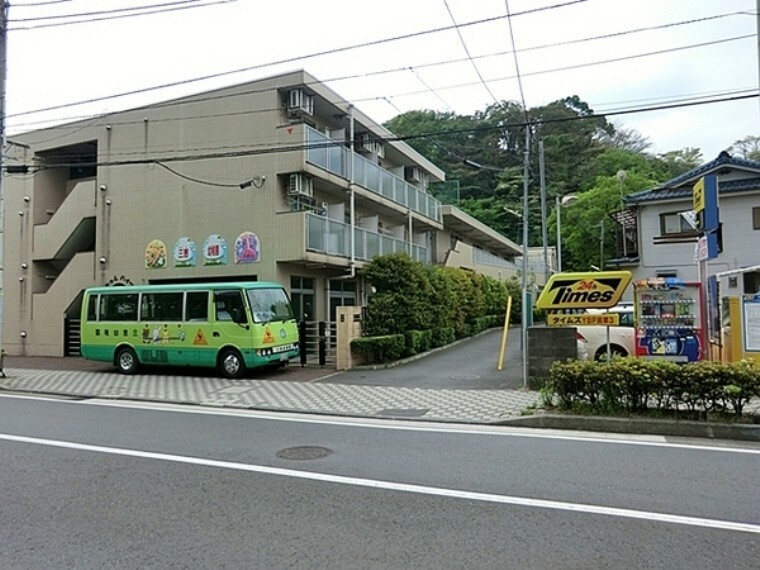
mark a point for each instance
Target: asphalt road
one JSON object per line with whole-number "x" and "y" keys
{"x": 98, "y": 485}
{"x": 468, "y": 365}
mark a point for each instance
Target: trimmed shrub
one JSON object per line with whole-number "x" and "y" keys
{"x": 379, "y": 349}
{"x": 637, "y": 385}
{"x": 417, "y": 341}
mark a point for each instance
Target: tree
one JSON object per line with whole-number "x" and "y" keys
{"x": 626, "y": 139}
{"x": 748, "y": 147}
{"x": 677, "y": 162}
{"x": 587, "y": 222}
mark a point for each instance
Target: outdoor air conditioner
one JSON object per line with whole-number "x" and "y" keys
{"x": 300, "y": 102}
{"x": 300, "y": 185}
{"x": 365, "y": 144}
{"x": 412, "y": 174}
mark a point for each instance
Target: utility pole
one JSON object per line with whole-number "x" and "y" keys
{"x": 542, "y": 178}
{"x": 3, "y": 75}
{"x": 527, "y": 305}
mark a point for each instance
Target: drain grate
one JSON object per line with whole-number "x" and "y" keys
{"x": 304, "y": 453}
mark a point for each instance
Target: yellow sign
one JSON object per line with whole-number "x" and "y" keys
{"x": 600, "y": 319}
{"x": 268, "y": 336}
{"x": 597, "y": 290}
{"x": 699, "y": 196}
{"x": 200, "y": 338}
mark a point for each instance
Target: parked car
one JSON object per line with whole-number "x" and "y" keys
{"x": 622, "y": 337}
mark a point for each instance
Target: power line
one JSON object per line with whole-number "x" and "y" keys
{"x": 293, "y": 59}
{"x": 467, "y": 52}
{"x": 271, "y": 149}
{"x": 202, "y": 98}
{"x": 114, "y": 14}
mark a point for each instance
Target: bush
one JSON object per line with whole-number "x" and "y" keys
{"x": 638, "y": 385}
{"x": 379, "y": 349}
{"x": 442, "y": 336}
{"x": 417, "y": 341}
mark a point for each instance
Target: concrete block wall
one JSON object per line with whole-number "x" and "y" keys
{"x": 548, "y": 344}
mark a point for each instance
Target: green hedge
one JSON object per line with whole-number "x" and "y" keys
{"x": 378, "y": 349}
{"x": 631, "y": 384}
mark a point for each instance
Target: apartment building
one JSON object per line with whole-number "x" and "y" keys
{"x": 278, "y": 179}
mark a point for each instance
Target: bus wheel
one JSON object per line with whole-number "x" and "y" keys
{"x": 231, "y": 364}
{"x": 126, "y": 360}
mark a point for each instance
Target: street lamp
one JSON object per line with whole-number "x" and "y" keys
{"x": 562, "y": 201}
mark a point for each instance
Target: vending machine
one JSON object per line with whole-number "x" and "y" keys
{"x": 669, "y": 319}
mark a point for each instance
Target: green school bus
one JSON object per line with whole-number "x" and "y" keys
{"x": 231, "y": 326}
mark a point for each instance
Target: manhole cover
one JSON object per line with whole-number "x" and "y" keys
{"x": 304, "y": 453}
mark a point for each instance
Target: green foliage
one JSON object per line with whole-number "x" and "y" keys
{"x": 579, "y": 150}
{"x": 416, "y": 342}
{"x": 386, "y": 348}
{"x": 748, "y": 147}
{"x": 429, "y": 306}
{"x": 403, "y": 291}
{"x": 635, "y": 385}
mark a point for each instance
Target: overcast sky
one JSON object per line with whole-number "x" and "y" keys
{"x": 654, "y": 53}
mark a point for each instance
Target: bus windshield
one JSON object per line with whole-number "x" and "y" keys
{"x": 270, "y": 305}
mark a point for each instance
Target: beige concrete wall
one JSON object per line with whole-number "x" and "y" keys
{"x": 348, "y": 327}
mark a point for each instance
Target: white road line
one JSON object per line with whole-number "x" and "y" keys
{"x": 403, "y": 487}
{"x": 407, "y": 425}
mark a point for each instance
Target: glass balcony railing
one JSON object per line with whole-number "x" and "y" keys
{"x": 326, "y": 153}
{"x": 328, "y": 236}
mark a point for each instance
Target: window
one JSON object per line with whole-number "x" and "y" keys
{"x": 92, "y": 308}
{"x": 161, "y": 307}
{"x": 674, "y": 223}
{"x": 118, "y": 307}
{"x": 229, "y": 306}
{"x": 197, "y": 306}
{"x": 756, "y": 218}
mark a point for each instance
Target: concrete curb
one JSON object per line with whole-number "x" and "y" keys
{"x": 679, "y": 428}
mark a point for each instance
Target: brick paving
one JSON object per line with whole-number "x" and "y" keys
{"x": 292, "y": 389}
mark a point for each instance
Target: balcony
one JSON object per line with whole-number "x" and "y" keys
{"x": 326, "y": 153}
{"x": 332, "y": 237}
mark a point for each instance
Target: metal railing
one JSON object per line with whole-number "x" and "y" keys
{"x": 334, "y": 157}
{"x": 332, "y": 237}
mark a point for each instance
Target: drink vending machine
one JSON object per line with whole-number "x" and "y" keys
{"x": 669, "y": 319}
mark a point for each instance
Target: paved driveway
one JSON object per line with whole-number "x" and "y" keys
{"x": 467, "y": 365}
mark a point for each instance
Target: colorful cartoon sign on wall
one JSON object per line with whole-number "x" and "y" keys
{"x": 215, "y": 250}
{"x": 247, "y": 248}
{"x": 184, "y": 252}
{"x": 155, "y": 255}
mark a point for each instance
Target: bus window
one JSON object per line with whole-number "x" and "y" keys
{"x": 92, "y": 308}
{"x": 229, "y": 306}
{"x": 161, "y": 307}
{"x": 118, "y": 307}
{"x": 197, "y": 306}
{"x": 270, "y": 305}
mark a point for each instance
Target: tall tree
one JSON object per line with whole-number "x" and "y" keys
{"x": 748, "y": 147}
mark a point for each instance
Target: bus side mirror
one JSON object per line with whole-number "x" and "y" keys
{"x": 238, "y": 316}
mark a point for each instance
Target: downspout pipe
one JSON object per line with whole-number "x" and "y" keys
{"x": 351, "y": 193}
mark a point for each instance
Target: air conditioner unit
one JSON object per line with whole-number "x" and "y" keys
{"x": 300, "y": 102}
{"x": 412, "y": 174}
{"x": 300, "y": 185}
{"x": 367, "y": 145}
